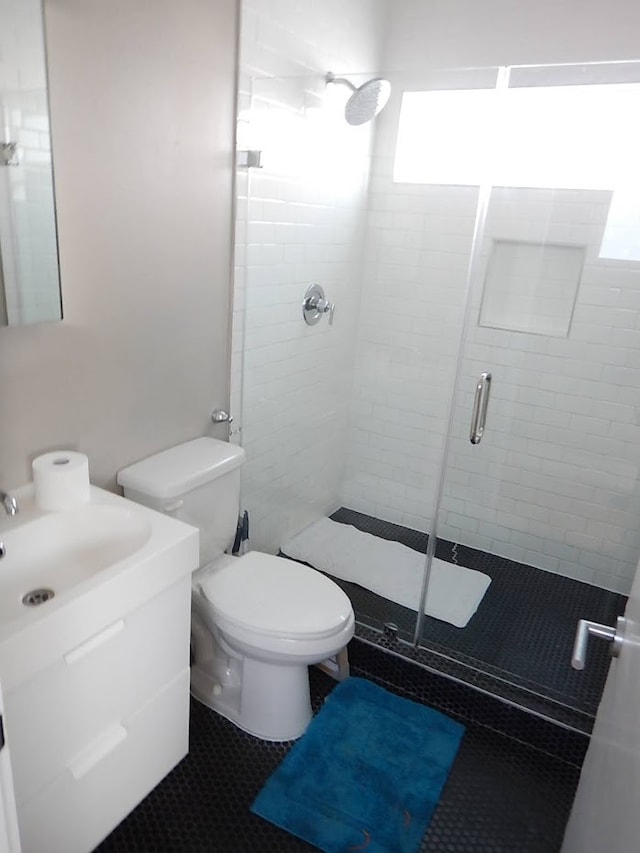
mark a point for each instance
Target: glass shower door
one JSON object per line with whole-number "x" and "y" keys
{"x": 540, "y": 493}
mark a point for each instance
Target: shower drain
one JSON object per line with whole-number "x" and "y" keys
{"x": 37, "y": 596}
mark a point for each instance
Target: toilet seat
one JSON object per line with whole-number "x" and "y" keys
{"x": 276, "y": 597}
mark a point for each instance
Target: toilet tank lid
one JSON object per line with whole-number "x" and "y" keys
{"x": 180, "y": 469}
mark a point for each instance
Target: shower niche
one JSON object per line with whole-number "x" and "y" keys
{"x": 531, "y": 287}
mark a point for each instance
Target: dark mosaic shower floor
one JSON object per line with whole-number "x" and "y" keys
{"x": 522, "y": 633}
{"x": 502, "y": 796}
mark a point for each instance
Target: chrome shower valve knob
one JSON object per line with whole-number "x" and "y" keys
{"x": 315, "y": 305}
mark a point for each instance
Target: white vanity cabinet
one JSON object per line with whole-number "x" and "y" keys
{"x": 96, "y": 679}
{"x": 96, "y": 730}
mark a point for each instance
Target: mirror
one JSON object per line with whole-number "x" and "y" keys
{"x": 29, "y": 276}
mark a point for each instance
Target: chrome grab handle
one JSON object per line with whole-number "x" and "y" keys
{"x": 480, "y": 404}
{"x": 586, "y": 628}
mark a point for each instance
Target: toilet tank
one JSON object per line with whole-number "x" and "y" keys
{"x": 197, "y": 482}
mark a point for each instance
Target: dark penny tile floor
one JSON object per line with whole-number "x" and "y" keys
{"x": 502, "y": 796}
{"x": 522, "y": 633}
{"x": 506, "y": 677}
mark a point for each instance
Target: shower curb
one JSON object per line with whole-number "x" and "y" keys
{"x": 374, "y": 658}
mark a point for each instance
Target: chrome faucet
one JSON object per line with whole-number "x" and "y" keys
{"x": 9, "y": 503}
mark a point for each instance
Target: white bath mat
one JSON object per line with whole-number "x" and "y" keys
{"x": 389, "y": 569}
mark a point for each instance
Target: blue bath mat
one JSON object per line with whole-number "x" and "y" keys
{"x": 366, "y": 775}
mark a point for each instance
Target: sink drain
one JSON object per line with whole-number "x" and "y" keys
{"x": 37, "y": 596}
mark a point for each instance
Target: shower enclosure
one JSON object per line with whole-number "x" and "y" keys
{"x": 475, "y": 397}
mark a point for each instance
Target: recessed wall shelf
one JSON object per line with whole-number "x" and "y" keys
{"x": 531, "y": 287}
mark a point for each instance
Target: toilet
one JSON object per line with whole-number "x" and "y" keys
{"x": 258, "y": 621}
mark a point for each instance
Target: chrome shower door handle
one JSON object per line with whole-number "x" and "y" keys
{"x": 606, "y": 632}
{"x": 480, "y": 404}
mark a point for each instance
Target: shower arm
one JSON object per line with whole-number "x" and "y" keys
{"x": 331, "y": 78}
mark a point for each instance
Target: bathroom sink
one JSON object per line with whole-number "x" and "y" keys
{"x": 50, "y": 555}
{"x": 69, "y": 571}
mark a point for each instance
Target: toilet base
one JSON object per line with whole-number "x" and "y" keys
{"x": 263, "y": 690}
{"x": 272, "y": 702}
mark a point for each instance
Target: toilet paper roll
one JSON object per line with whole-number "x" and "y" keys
{"x": 61, "y": 480}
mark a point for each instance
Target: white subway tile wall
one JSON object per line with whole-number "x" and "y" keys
{"x": 27, "y": 219}
{"x": 418, "y": 246}
{"x": 300, "y": 221}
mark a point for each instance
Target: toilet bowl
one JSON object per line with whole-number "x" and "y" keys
{"x": 265, "y": 619}
{"x": 258, "y": 621}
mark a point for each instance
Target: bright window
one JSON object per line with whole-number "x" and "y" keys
{"x": 572, "y": 137}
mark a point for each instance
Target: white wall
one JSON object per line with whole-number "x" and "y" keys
{"x": 300, "y": 221}
{"x": 555, "y": 482}
{"x": 142, "y": 100}
{"x": 464, "y": 33}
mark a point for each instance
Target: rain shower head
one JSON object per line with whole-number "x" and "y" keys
{"x": 366, "y": 101}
